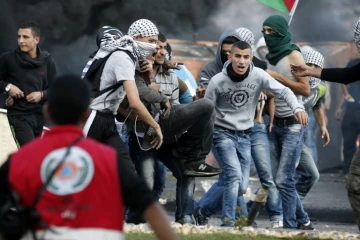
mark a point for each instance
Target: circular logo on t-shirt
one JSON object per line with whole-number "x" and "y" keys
{"x": 239, "y": 98}
{"x": 73, "y": 175}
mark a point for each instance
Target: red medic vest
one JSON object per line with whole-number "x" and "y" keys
{"x": 84, "y": 193}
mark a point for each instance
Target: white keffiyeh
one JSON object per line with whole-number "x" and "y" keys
{"x": 140, "y": 50}
{"x": 357, "y": 34}
{"x": 143, "y": 28}
{"x": 246, "y": 35}
{"x": 316, "y": 58}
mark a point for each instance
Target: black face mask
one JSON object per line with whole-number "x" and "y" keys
{"x": 224, "y": 58}
{"x": 234, "y": 76}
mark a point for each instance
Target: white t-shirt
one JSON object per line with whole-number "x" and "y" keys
{"x": 119, "y": 67}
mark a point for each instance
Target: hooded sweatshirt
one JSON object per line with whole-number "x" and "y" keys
{"x": 235, "y": 102}
{"x": 215, "y": 66}
{"x": 29, "y": 75}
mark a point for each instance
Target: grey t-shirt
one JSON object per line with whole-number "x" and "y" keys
{"x": 119, "y": 67}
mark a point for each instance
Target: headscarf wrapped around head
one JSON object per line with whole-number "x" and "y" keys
{"x": 357, "y": 34}
{"x": 246, "y": 35}
{"x": 140, "y": 50}
{"x": 107, "y": 29}
{"x": 143, "y": 28}
{"x": 316, "y": 58}
{"x": 278, "y": 43}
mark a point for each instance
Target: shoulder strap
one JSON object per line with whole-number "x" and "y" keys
{"x": 43, "y": 187}
{"x": 100, "y": 68}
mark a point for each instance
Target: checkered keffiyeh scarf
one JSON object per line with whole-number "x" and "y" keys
{"x": 143, "y": 28}
{"x": 246, "y": 35}
{"x": 357, "y": 34}
{"x": 140, "y": 50}
{"x": 314, "y": 57}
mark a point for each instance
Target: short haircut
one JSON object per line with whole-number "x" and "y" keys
{"x": 241, "y": 45}
{"x": 162, "y": 37}
{"x": 69, "y": 98}
{"x": 34, "y": 26}
{"x": 230, "y": 40}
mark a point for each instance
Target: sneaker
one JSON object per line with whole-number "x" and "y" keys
{"x": 306, "y": 226}
{"x": 200, "y": 219}
{"x": 186, "y": 219}
{"x": 277, "y": 224}
{"x": 200, "y": 169}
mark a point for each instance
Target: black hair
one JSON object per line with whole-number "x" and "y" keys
{"x": 168, "y": 49}
{"x": 230, "y": 40}
{"x": 162, "y": 37}
{"x": 69, "y": 98}
{"x": 241, "y": 45}
{"x": 34, "y": 26}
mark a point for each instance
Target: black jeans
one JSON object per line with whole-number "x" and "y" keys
{"x": 27, "y": 126}
{"x": 191, "y": 127}
{"x": 103, "y": 129}
{"x": 350, "y": 128}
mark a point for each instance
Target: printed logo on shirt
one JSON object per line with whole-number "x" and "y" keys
{"x": 239, "y": 98}
{"x": 74, "y": 174}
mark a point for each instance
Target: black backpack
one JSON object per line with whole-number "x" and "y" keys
{"x": 93, "y": 75}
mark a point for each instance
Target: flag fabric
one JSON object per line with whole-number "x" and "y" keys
{"x": 285, "y": 6}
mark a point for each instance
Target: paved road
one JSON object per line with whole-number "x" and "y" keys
{"x": 327, "y": 203}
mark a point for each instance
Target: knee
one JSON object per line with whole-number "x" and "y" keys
{"x": 315, "y": 177}
{"x": 284, "y": 183}
{"x": 206, "y": 105}
{"x": 232, "y": 176}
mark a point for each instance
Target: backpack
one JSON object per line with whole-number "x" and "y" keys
{"x": 93, "y": 75}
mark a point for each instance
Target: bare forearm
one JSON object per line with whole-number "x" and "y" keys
{"x": 271, "y": 103}
{"x": 319, "y": 115}
{"x": 341, "y": 103}
{"x": 156, "y": 217}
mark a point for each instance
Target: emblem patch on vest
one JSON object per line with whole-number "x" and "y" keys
{"x": 74, "y": 174}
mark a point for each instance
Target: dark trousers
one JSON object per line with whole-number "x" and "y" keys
{"x": 353, "y": 187}
{"x": 103, "y": 129}
{"x": 145, "y": 164}
{"x": 191, "y": 127}
{"x": 350, "y": 128}
{"x": 27, "y": 127}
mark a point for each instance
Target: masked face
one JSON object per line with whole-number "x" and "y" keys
{"x": 225, "y": 52}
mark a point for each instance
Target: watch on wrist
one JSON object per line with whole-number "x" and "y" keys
{"x": 7, "y": 88}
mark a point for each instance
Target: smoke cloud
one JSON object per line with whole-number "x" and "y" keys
{"x": 69, "y": 26}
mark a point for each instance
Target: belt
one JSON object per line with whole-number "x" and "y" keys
{"x": 247, "y": 131}
{"x": 286, "y": 121}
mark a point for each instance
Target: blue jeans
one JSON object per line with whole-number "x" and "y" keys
{"x": 124, "y": 135}
{"x": 232, "y": 151}
{"x": 310, "y": 140}
{"x": 285, "y": 148}
{"x": 211, "y": 202}
{"x": 260, "y": 153}
{"x": 306, "y": 170}
{"x": 145, "y": 165}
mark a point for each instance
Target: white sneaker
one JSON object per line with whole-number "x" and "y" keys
{"x": 277, "y": 224}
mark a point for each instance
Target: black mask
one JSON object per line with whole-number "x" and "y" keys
{"x": 224, "y": 58}
{"x": 234, "y": 76}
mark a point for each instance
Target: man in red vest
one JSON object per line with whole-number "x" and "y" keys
{"x": 86, "y": 196}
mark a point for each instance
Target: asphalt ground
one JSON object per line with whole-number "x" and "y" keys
{"x": 326, "y": 204}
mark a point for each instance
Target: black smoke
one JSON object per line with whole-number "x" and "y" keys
{"x": 69, "y": 26}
